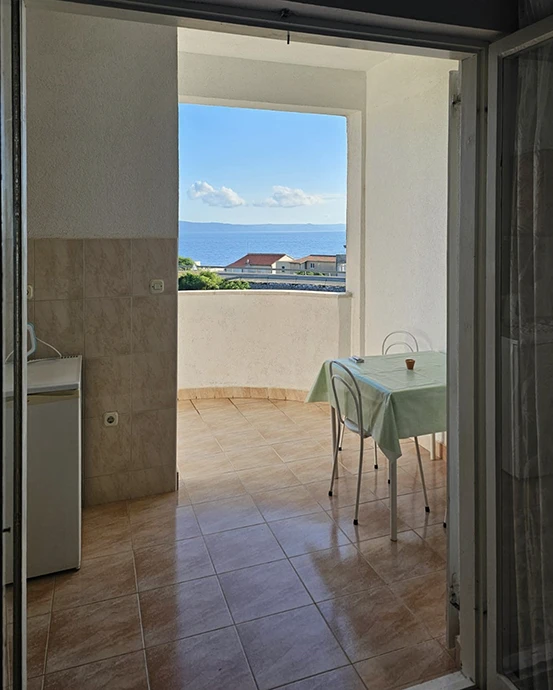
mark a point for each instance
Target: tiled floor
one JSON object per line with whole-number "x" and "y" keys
{"x": 251, "y": 577}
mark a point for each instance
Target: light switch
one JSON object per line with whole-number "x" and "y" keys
{"x": 157, "y": 286}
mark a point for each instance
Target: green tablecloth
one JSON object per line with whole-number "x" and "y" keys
{"x": 397, "y": 403}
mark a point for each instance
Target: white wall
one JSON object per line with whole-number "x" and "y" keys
{"x": 259, "y": 338}
{"x": 102, "y": 127}
{"x": 214, "y": 79}
{"x": 406, "y": 200}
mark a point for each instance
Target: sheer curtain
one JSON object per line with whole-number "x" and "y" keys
{"x": 526, "y": 511}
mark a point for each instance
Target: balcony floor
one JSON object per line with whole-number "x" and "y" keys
{"x": 250, "y": 576}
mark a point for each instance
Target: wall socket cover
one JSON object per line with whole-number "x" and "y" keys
{"x": 111, "y": 418}
{"x": 30, "y": 292}
{"x": 157, "y": 286}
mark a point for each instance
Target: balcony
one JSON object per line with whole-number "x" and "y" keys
{"x": 258, "y": 343}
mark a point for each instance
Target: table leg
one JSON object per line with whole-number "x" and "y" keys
{"x": 433, "y": 447}
{"x": 393, "y": 500}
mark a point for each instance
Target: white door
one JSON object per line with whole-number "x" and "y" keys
{"x": 519, "y": 405}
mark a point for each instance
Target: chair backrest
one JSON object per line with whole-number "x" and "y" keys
{"x": 400, "y": 338}
{"x": 342, "y": 379}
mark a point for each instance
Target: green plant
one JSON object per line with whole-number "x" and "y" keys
{"x": 308, "y": 273}
{"x": 186, "y": 263}
{"x": 236, "y": 284}
{"x": 209, "y": 280}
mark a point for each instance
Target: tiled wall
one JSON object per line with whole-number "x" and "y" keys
{"x": 92, "y": 297}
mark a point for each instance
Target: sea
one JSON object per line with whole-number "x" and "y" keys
{"x": 219, "y": 244}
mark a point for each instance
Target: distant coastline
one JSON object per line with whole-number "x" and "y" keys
{"x": 218, "y": 244}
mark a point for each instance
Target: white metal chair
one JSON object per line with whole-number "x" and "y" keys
{"x": 341, "y": 379}
{"x": 406, "y": 340}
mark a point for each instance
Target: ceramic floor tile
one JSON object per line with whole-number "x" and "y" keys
{"x": 98, "y": 579}
{"x": 183, "y": 610}
{"x": 243, "y": 547}
{"x": 35, "y": 683}
{"x": 341, "y": 679}
{"x": 268, "y": 478}
{"x": 372, "y": 623}
{"x": 308, "y": 533}
{"x": 409, "y": 556}
{"x": 299, "y": 450}
{"x": 252, "y": 458}
{"x": 40, "y": 592}
{"x": 168, "y": 564}
{"x": 280, "y": 504}
{"x": 410, "y": 508}
{"x": 374, "y": 521}
{"x": 281, "y": 431}
{"x": 198, "y": 444}
{"x": 196, "y": 467}
{"x": 37, "y": 639}
{"x": 377, "y": 482}
{"x": 249, "y": 438}
{"x": 127, "y": 672}
{"x": 228, "y": 514}
{"x": 106, "y": 530}
{"x": 226, "y": 485}
{"x": 405, "y": 667}
{"x": 343, "y": 494}
{"x": 289, "y": 646}
{"x": 263, "y": 590}
{"x": 312, "y": 469}
{"x": 157, "y": 505}
{"x": 435, "y": 471}
{"x": 180, "y": 524}
{"x": 90, "y": 633}
{"x": 436, "y": 537}
{"x": 426, "y": 598}
{"x": 205, "y": 662}
{"x": 335, "y": 572}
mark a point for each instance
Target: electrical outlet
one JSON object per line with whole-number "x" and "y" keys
{"x": 111, "y": 418}
{"x": 157, "y": 286}
{"x": 30, "y": 292}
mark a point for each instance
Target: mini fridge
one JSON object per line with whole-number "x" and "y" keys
{"x": 53, "y": 467}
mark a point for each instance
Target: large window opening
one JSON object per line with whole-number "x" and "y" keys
{"x": 262, "y": 199}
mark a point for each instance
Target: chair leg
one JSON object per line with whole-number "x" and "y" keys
{"x": 375, "y": 456}
{"x": 335, "y": 459}
{"x": 359, "y": 479}
{"x": 445, "y": 517}
{"x": 341, "y": 436}
{"x": 426, "y": 506}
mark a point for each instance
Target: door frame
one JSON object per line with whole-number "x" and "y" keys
{"x": 465, "y": 296}
{"x": 512, "y": 44}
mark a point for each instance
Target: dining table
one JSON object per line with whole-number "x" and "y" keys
{"x": 397, "y": 403}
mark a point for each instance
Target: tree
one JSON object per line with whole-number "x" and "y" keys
{"x": 209, "y": 280}
{"x": 186, "y": 263}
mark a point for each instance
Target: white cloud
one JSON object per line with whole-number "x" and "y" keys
{"x": 286, "y": 197}
{"x": 223, "y": 197}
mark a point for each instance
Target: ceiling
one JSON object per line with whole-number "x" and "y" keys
{"x": 277, "y": 50}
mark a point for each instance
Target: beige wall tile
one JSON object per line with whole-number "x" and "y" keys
{"x": 60, "y": 323}
{"x": 107, "y": 326}
{"x": 154, "y": 323}
{"x": 106, "y": 489}
{"x": 107, "y": 268}
{"x": 107, "y": 385}
{"x": 107, "y": 450}
{"x": 154, "y": 258}
{"x": 152, "y": 481}
{"x": 154, "y": 381}
{"x": 154, "y": 438}
{"x": 58, "y": 269}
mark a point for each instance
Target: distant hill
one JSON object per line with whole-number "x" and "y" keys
{"x": 186, "y": 226}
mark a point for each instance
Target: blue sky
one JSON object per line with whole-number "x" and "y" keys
{"x": 243, "y": 166}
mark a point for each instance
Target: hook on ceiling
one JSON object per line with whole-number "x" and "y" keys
{"x": 285, "y": 14}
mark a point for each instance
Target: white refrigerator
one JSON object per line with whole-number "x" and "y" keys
{"x": 53, "y": 467}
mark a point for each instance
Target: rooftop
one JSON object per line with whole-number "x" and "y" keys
{"x": 257, "y": 260}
